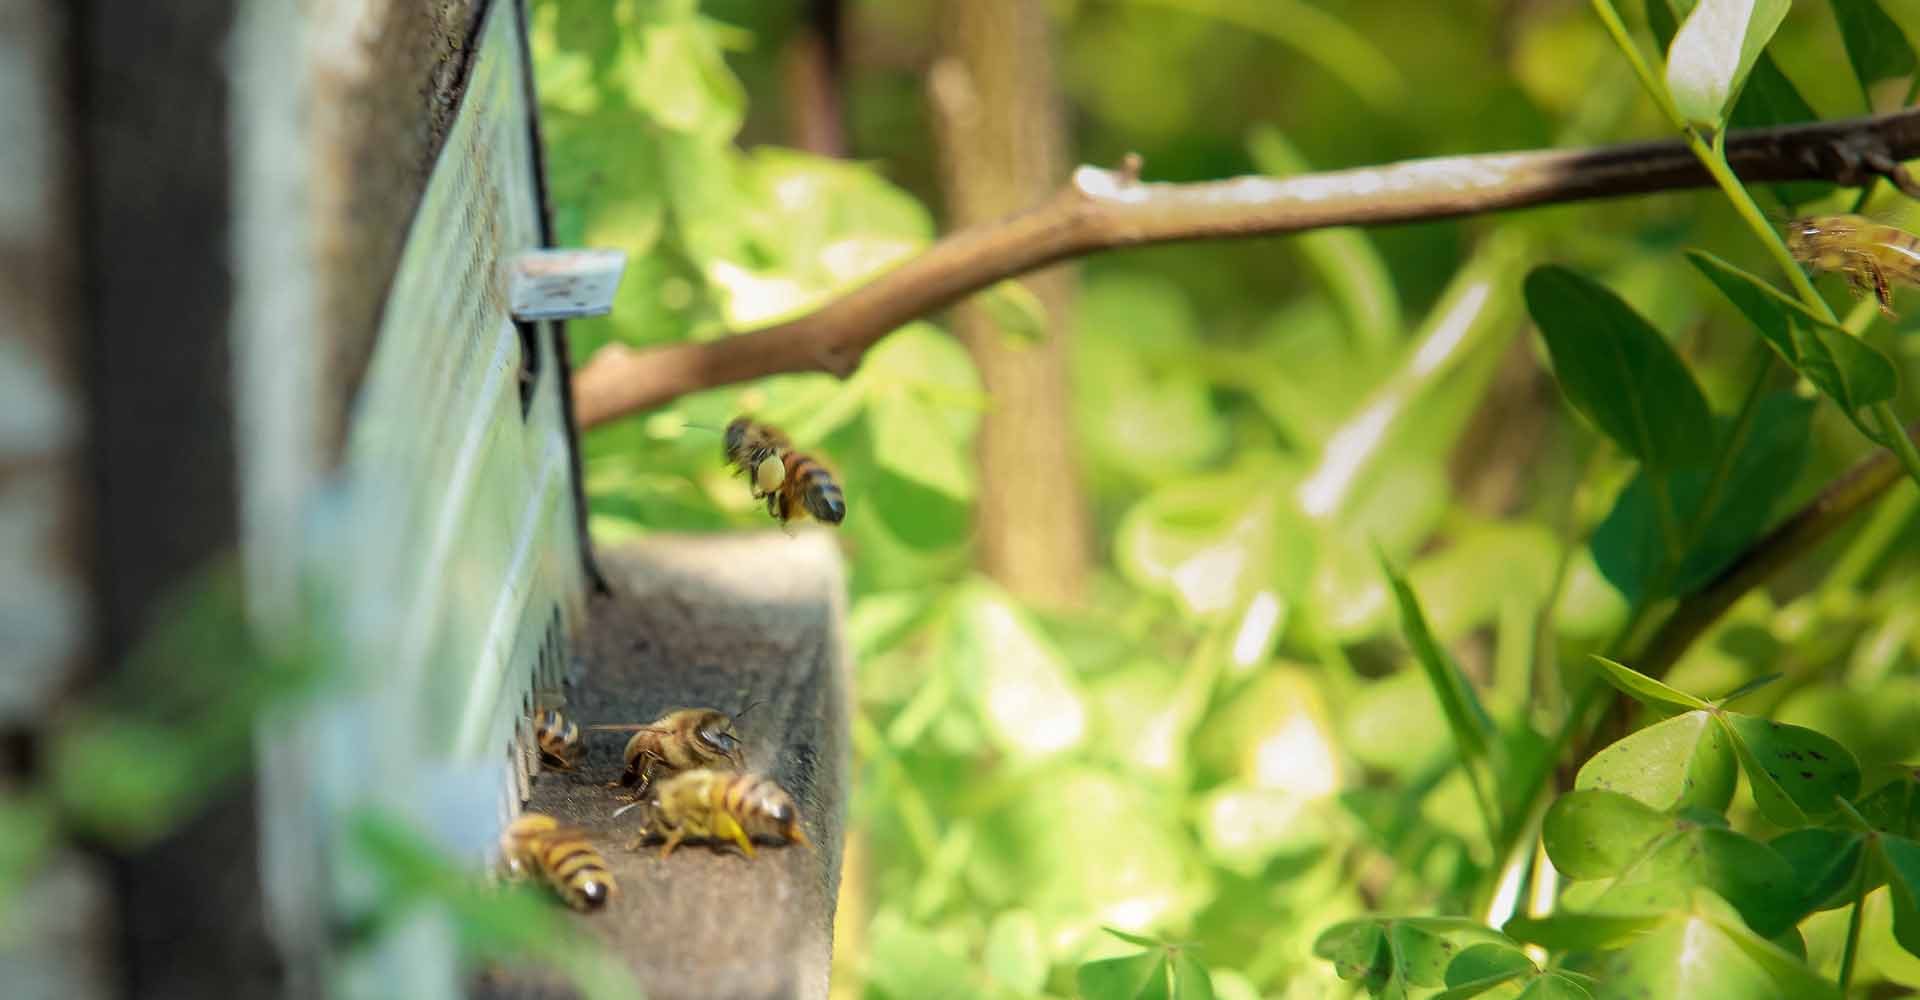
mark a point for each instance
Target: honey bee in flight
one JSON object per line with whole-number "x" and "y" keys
{"x": 754, "y": 450}
{"x": 558, "y": 738}
{"x": 794, "y": 485}
{"x": 719, "y": 807}
{"x": 808, "y": 488}
{"x": 536, "y": 844}
{"x": 680, "y": 740}
{"x": 1873, "y": 255}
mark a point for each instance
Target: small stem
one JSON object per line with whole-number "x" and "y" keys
{"x": 1749, "y": 211}
{"x": 1853, "y": 927}
{"x": 1624, "y": 42}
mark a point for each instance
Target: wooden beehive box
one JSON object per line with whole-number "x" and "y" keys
{"x": 303, "y": 221}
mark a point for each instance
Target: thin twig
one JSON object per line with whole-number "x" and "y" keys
{"x": 1103, "y": 209}
{"x": 1812, "y": 524}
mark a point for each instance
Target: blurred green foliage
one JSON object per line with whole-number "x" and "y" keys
{"x": 1250, "y": 736}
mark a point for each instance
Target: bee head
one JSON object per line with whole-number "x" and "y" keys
{"x": 736, "y": 436}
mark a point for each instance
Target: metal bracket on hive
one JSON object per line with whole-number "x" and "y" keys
{"x": 563, "y": 284}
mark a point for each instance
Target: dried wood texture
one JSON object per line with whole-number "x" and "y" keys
{"x": 724, "y": 622}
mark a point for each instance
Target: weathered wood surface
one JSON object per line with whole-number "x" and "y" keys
{"x": 724, "y": 622}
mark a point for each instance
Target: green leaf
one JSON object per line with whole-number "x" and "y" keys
{"x": 1876, "y": 46}
{"x": 1895, "y": 806}
{"x": 1571, "y": 930}
{"x": 1646, "y": 690}
{"x": 1823, "y": 863}
{"x": 1628, "y": 546}
{"x": 1190, "y": 978}
{"x": 1554, "y": 986}
{"x": 1706, "y": 954}
{"x": 1685, "y": 761}
{"x": 1016, "y": 957}
{"x": 1391, "y": 955}
{"x": 1472, "y": 728}
{"x": 1596, "y": 834}
{"x": 1744, "y": 872}
{"x": 1482, "y": 967}
{"x": 1618, "y": 371}
{"x": 1902, "y": 857}
{"x": 1139, "y": 939}
{"x": 1134, "y": 977}
{"x": 1016, "y": 310}
{"x": 1019, "y": 684}
{"x": 1714, "y": 50}
{"x": 1769, "y": 98}
{"x": 1807, "y": 767}
{"x": 1845, "y": 369}
{"x": 924, "y": 402}
{"x": 907, "y": 962}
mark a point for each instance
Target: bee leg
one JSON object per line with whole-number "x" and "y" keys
{"x": 1882, "y": 290}
{"x": 731, "y": 829}
{"x": 673, "y": 841}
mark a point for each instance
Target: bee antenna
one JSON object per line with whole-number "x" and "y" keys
{"x": 737, "y": 716}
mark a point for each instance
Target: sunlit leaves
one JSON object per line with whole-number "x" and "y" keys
{"x": 1683, "y": 761}
{"x": 1019, "y": 683}
{"x": 1847, "y": 370}
{"x": 1392, "y": 957}
{"x": 1706, "y": 952}
{"x": 1487, "y": 967}
{"x": 1141, "y": 400}
{"x": 1796, "y": 772}
{"x": 1016, "y": 957}
{"x": 1595, "y": 834}
{"x": 1215, "y": 542}
{"x": 1646, "y": 689}
{"x": 1472, "y": 728}
{"x": 1618, "y": 371}
{"x": 1713, "y": 52}
{"x": 1163, "y": 972}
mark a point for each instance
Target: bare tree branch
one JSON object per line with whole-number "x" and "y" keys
{"x": 1102, "y": 209}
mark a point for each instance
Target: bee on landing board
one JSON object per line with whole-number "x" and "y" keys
{"x": 719, "y": 807}
{"x": 558, "y": 738}
{"x": 536, "y": 844}
{"x": 682, "y": 739}
{"x": 1873, "y": 255}
{"x": 794, "y": 485}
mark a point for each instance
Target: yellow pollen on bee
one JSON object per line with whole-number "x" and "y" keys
{"x": 768, "y": 475}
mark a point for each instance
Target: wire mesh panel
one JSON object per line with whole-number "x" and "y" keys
{"x": 442, "y": 567}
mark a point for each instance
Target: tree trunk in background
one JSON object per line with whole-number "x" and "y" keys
{"x": 812, "y": 70}
{"x": 1002, "y": 146}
